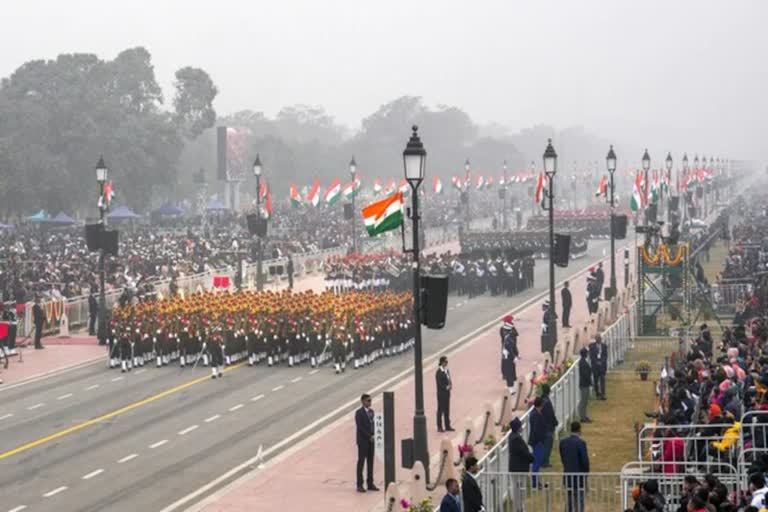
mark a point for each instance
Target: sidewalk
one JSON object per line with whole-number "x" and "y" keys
{"x": 58, "y": 355}
{"x": 322, "y": 467}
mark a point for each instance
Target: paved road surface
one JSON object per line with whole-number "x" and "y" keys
{"x": 95, "y": 440}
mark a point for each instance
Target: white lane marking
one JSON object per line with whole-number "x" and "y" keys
{"x": 158, "y": 444}
{"x": 36, "y": 406}
{"x": 62, "y": 397}
{"x": 311, "y": 429}
{"x": 6, "y": 416}
{"x": 213, "y": 418}
{"x": 139, "y": 372}
{"x": 91, "y": 387}
{"x": 236, "y": 407}
{"x": 297, "y": 379}
{"x": 459, "y": 304}
{"x": 128, "y": 457}
{"x": 254, "y": 399}
{"x": 93, "y": 474}
{"x": 187, "y": 430}
{"x": 278, "y": 388}
{"x": 18, "y": 509}
{"x": 55, "y": 491}
{"x": 118, "y": 378}
{"x": 314, "y": 371}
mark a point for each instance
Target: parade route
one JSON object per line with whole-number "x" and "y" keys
{"x": 94, "y": 439}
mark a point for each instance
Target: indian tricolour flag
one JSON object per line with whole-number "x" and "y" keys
{"x": 377, "y": 188}
{"x": 488, "y": 181}
{"x": 637, "y": 201}
{"x": 333, "y": 192}
{"x": 502, "y": 181}
{"x": 348, "y": 190}
{"x": 655, "y": 187}
{"x": 456, "y": 182}
{"x": 539, "y": 193}
{"x": 480, "y": 182}
{"x": 602, "y": 188}
{"x": 390, "y": 187}
{"x": 314, "y": 193}
{"x": 295, "y": 197}
{"x": 403, "y": 187}
{"x": 437, "y": 185}
{"x": 384, "y": 215}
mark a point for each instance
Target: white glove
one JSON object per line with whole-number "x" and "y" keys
{"x": 517, "y": 359}
{"x": 505, "y": 353}
{"x": 544, "y": 328}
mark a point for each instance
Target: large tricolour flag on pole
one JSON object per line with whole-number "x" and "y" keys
{"x": 637, "y": 200}
{"x": 602, "y": 188}
{"x": 295, "y": 197}
{"x": 333, "y": 192}
{"x": 539, "y": 189}
{"x": 437, "y": 185}
{"x": 384, "y": 215}
{"x": 314, "y": 193}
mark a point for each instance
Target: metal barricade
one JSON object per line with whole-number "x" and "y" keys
{"x": 549, "y": 492}
{"x": 753, "y": 438}
{"x": 670, "y": 483}
{"x": 725, "y": 297}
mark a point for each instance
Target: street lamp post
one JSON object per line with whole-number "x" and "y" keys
{"x": 414, "y": 162}
{"x": 550, "y": 169}
{"x": 353, "y": 175}
{"x": 696, "y": 170}
{"x": 610, "y": 161}
{"x": 259, "y": 247}
{"x": 101, "y": 179}
{"x": 467, "y": 187}
{"x": 684, "y": 193}
{"x": 668, "y": 165}
{"x": 646, "y": 168}
{"x": 503, "y": 196}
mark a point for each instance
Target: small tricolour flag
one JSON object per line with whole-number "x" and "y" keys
{"x": 437, "y": 185}
{"x": 456, "y": 182}
{"x": 488, "y": 181}
{"x": 480, "y": 182}
{"x": 377, "y": 188}
{"x": 294, "y": 195}
{"x": 637, "y": 200}
{"x": 313, "y": 197}
{"x": 268, "y": 204}
{"x": 390, "y": 187}
{"x": 602, "y": 188}
{"x": 348, "y": 190}
{"x": 108, "y": 195}
{"x": 403, "y": 187}
{"x": 539, "y": 195}
{"x": 384, "y": 215}
{"x": 333, "y": 192}
{"x": 654, "y": 188}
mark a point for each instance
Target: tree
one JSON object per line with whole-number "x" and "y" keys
{"x": 193, "y": 102}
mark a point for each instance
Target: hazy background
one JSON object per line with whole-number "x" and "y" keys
{"x": 683, "y": 75}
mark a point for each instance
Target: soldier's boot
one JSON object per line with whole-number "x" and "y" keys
{"x": 159, "y": 361}
{"x": 227, "y": 360}
{"x": 250, "y": 360}
{"x": 221, "y": 372}
{"x": 124, "y": 366}
{"x": 269, "y": 361}
{"x": 338, "y": 368}
{"x": 313, "y": 362}
{"x": 343, "y": 366}
{"x": 213, "y": 372}
{"x": 205, "y": 359}
{"x": 182, "y": 360}
{"x": 290, "y": 361}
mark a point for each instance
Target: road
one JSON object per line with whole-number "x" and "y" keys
{"x": 94, "y": 439}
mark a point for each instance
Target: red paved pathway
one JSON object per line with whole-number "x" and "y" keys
{"x": 319, "y": 474}
{"x": 35, "y": 363}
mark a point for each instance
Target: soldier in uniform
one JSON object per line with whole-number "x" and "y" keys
{"x": 509, "y": 353}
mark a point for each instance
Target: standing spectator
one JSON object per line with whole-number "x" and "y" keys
{"x": 509, "y": 354}
{"x": 473, "y": 498}
{"x": 451, "y": 501}
{"x": 585, "y": 383}
{"x": 573, "y": 453}
{"x": 673, "y": 451}
{"x": 550, "y": 424}
{"x": 758, "y": 490}
{"x": 598, "y": 355}
{"x": 593, "y": 293}
{"x": 567, "y": 301}
{"x": 537, "y": 435}
{"x": 289, "y": 271}
{"x": 548, "y": 320}
{"x": 93, "y": 308}
{"x": 38, "y": 317}
{"x": 599, "y": 278}
{"x": 444, "y": 385}
{"x": 365, "y": 444}
{"x": 520, "y": 458}
{"x": 507, "y": 327}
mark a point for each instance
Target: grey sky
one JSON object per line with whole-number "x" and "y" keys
{"x": 687, "y": 74}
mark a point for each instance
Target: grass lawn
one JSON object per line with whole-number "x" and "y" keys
{"x": 717, "y": 255}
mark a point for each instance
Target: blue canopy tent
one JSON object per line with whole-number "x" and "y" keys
{"x": 169, "y": 209}
{"x": 62, "y": 219}
{"x": 216, "y": 205}
{"x": 40, "y": 216}
{"x": 123, "y": 213}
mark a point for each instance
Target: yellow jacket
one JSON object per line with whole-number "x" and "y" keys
{"x": 730, "y": 438}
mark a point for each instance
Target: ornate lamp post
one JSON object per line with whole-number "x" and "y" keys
{"x": 550, "y": 169}
{"x": 610, "y": 163}
{"x": 415, "y": 162}
{"x": 467, "y": 186}
{"x": 353, "y": 175}
{"x": 668, "y": 166}
{"x": 646, "y": 168}
{"x": 259, "y": 247}
{"x": 101, "y": 179}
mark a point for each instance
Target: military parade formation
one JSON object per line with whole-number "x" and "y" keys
{"x": 217, "y": 329}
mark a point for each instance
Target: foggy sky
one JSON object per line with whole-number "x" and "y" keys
{"x": 685, "y": 75}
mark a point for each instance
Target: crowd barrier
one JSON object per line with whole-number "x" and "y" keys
{"x": 725, "y": 297}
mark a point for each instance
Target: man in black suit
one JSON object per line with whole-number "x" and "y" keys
{"x": 93, "y": 308}
{"x": 451, "y": 501}
{"x": 600, "y": 278}
{"x": 365, "y": 444}
{"x": 38, "y": 317}
{"x": 444, "y": 385}
{"x": 566, "y": 300}
{"x": 573, "y": 453}
{"x": 598, "y": 357}
{"x": 472, "y": 497}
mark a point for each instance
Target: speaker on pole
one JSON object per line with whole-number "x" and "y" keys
{"x": 93, "y": 236}
{"x": 620, "y": 227}
{"x": 651, "y": 212}
{"x": 434, "y": 301}
{"x": 464, "y": 197}
{"x": 348, "y": 212}
{"x": 674, "y": 203}
{"x": 109, "y": 242}
{"x": 256, "y": 225}
{"x": 562, "y": 249}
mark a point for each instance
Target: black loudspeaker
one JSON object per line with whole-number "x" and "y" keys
{"x": 434, "y": 301}
{"x": 502, "y": 193}
{"x": 620, "y": 227}
{"x": 256, "y": 226}
{"x": 221, "y": 153}
{"x": 688, "y": 196}
{"x": 464, "y": 197}
{"x": 93, "y": 236}
{"x": 699, "y": 191}
{"x": 651, "y": 212}
{"x": 348, "y": 212}
{"x": 692, "y": 212}
{"x": 109, "y": 242}
{"x": 562, "y": 249}
{"x": 674, "y": 203}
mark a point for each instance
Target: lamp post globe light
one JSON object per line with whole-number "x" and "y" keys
{"x": 550, "y": 169}
{"x": 353, "y": 177}
{"x": 257, "y": 170}
{"x": 610, "y": 163}
{"x": 102, "y": 173}
{"x": 414, "y": 164}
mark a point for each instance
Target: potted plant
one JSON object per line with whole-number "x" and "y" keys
{"x": 489, "y": 442}
{"x": 465, "y": 450}
{"x": 424, "y": 506}
{"x": 643, "y": 368}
